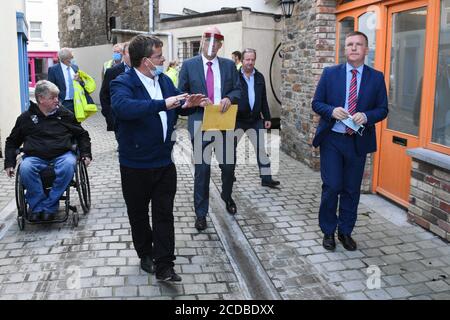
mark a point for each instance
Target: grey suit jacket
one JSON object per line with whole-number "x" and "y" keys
{"x": 192, "y": 80}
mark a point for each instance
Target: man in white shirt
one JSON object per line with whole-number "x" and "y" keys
{"x": 146, "y": 106}
{"x": 62, "y": 75}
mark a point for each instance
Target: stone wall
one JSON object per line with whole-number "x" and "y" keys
{"x": 309, "y": 46}
{"x": 84, "y": 23}
{"x": 429, "y": 204}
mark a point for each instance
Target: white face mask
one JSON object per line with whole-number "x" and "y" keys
{"x": 352, "y": 125}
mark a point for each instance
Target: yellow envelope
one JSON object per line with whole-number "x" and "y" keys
{"x": 213, "y": 119}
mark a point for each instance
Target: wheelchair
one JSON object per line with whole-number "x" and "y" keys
{"x": 80, "y": 182}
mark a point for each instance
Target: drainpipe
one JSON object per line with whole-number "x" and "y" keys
{"x": 151, "y": 13}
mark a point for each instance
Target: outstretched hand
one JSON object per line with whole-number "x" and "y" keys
{"x": 175, "y": 101}
{"x": 195, "y": 100}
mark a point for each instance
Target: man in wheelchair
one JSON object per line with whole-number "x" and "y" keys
{"x": 47, "y": 131}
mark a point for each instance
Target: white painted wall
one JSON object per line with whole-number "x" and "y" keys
{"x": 176, "y": 7}
{"x": 9, "y": 64}
{"x": 45, "y": 11}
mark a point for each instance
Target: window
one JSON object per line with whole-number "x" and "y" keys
{"x": 367, "y": 24}
{"x": 188, "y": 48}
{"x": 35, "y": 30}
{"x": 441, "y": 117}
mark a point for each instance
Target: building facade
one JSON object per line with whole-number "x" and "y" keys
{"x": 13, "y": 57}
{"x": 409, "y": 41}
{"x": 43, "y": 45}
{"x": 92, "y": 27}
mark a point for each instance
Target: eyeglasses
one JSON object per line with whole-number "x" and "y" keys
{"x": 158, "y": 57}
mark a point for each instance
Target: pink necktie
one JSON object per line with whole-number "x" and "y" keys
{"x": 352, "y": 99}
{"x": 210, "y": 82}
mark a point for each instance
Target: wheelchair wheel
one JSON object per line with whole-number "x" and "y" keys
{"x": 20, "y": 201}
{"x": 21, "y": 222}
{"x": 83, "y": 187}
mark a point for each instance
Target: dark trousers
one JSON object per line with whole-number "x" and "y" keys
{"x": 342, "y": 170}
{"x": 255, "y": 132}
{"x": 139, "y": 187}
{"x": 223, "y": 150}
{"x": 69, "y": 105}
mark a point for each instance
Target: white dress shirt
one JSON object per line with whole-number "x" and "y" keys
{"x": 66, "y": 79}
{"x": 154, "y": 90}
{"x": 217, "y": 83}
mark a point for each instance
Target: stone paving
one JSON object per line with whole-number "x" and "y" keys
{"x": 96, "y": 260}
{"x": 282, "y": 226}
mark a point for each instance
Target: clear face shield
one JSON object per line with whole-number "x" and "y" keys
{"x": 210, "y": 43}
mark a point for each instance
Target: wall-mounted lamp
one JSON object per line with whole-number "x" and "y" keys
{"x": 287, "y": 6}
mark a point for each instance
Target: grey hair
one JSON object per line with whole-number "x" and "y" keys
{"x": 248, "y": 50}
{"x": 45, "y": 88}
{"x": 64, "y": 54}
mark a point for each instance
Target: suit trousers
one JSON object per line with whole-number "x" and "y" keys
{"x": 342, "y": 170}
{"x": 139, "y": 187}
{"x": 223, "y": 149}
{"x": 255, "y": 132}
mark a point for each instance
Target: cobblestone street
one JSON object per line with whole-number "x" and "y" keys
{"x": 278, "y": 228}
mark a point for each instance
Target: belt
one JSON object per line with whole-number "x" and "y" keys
{"x": 345, "y": 134}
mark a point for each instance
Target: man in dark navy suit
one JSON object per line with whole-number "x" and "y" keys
{"x": 146, "y": 105}
{"x": 350, "y": 95}
{"x": 105, "y": 95}
{"x": 216, "y": 78}
{"x": 62, "y": 74}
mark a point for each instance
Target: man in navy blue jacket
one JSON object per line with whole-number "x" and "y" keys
{"x": 348, "y": 95}
{"x": 62, "y": 75}
{"x": 146, "y": 105}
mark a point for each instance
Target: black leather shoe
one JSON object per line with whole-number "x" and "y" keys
{"x": 200, "y": 223}
{"x": 46, "y": 216}
{"x": 347, "y": 242}
{"x": 168, "y": 275}
{"x": 270, "y": 183}
{"x": 230, "y": 205}
{"x": 34, "y": 216}
{"x": 328, "y": 242}
{"x": 147, "y": 264}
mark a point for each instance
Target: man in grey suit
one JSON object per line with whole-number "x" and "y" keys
{"x": 216, "y": 78}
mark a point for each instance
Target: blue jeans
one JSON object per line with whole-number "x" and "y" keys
{"x": 34, "y": 192}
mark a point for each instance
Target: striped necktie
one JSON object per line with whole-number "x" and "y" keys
{"x": 352, "y": 99}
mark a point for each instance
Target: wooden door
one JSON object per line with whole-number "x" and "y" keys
{"x": 404, "y": 72}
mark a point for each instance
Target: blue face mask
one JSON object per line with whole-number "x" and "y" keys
{"x": 117, "y": 56}
{"x": 73, "y": 61}
{"x": 157, "y": 71}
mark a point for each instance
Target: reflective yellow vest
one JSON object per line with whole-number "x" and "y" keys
{"x": 82, "y": 108}
{"x": 172, "y": 73}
